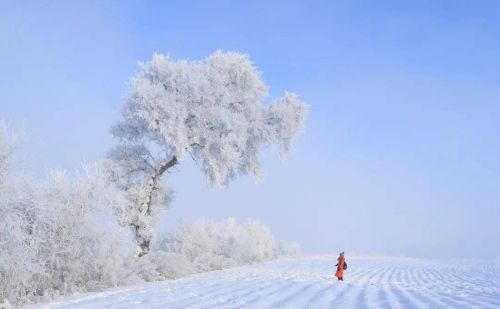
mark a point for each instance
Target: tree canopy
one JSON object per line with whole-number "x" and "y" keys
{"x": 211, "y": 110}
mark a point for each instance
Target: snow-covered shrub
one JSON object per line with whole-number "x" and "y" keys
{"x": 283, "y": 249}
{"x": 160, "y": 265}
{"x": 82, "y": 246}
{"x": 211, "y": 245}
{"x": 19, "y": 268}
{"x": 200, "y": 245}
{"x": 58, "y": 236}
{"x": 17, "y": 216}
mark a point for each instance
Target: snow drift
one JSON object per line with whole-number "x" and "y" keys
{"x": 370, "y": 282}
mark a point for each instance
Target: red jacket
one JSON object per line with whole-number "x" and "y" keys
{"x": 340, "y": 268}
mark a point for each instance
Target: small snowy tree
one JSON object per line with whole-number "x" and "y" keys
{"x": 211, "y": 110}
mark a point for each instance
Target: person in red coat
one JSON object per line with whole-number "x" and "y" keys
{"x": 341, "y": 266}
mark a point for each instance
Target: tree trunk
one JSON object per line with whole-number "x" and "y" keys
{"x": 142, "y": 240}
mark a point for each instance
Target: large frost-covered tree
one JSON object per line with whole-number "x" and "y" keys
{"x": 210, "y": 110}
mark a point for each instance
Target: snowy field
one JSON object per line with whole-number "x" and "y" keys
{"x": 370, "y": 282}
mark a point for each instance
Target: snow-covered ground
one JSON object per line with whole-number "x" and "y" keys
{"x": 370, "y": 282}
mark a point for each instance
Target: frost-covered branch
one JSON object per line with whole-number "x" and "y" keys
{"x": 212, "y": 110}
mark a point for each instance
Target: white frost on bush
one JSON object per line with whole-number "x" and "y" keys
{"x": 58, "y": 236}
{"x": 211, "y": 245}
{"x": 160, "y": 265}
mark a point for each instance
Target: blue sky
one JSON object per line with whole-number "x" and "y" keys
{"x": 400, "y": 154}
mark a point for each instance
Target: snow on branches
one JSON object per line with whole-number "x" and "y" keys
{"x": 211, "y": 110}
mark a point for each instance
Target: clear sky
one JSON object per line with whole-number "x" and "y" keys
{"x": 400, "y": 154}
